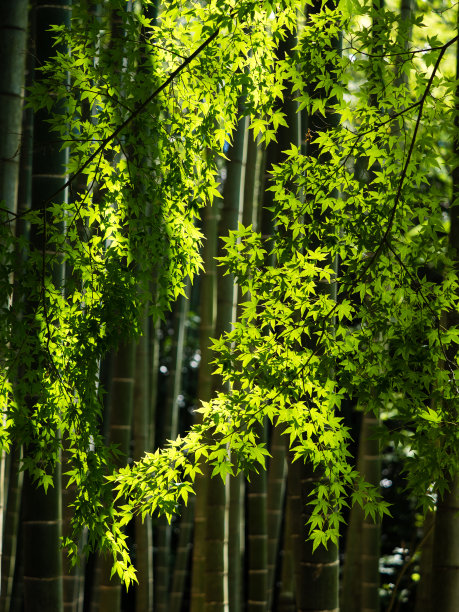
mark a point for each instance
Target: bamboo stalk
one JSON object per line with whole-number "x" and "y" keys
{"x": 208, "y": 309}
{"x": 277, "y": 473}
{"x": 140, "y": 430}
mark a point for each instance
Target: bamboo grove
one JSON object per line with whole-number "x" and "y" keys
{"x": 266, "y": 191}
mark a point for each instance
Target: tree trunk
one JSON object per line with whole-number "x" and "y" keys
{"x": 169, "y": 430}
{"x": 277, "y": 474}
{"x": 43, "y": 588}
{"x": 424, "y": 587}
{"x": 10, "y": 527}
{"x": 257, "y": 542}
{"x": 11, "y": 549}
{"x": 316, "y": 572}
{"x": 13, "y": 35}
{"x": 360, "y": 590}
{"x": 445, "y": 591}
{"x": 216, "y": 581}
{"x": 182, "y": 557}
{"x": 120, "y": 428}
{"x": 445, "y": 583}
{"x": 140, "y": 430}
{"x": 72, "y": 575}
{"x": 283, "y": 598}
{"x": 236, "y": 545}
{"x": 208, "y": 311}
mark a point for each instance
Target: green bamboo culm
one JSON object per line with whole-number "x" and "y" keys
{"x": 287, "y": 135}
{"x": 13, "y": 35}
{"x": 42, "y": 511}
{"x": 445, "y": 578}
{"x": 208, "y": 312}
{"x": 120, "y": 411}
{"x": 141, "y": 444}
{"x": 181, "y": 565}
{"x": 169, "y": 416}
{"x": 10, "y": 527}
{"x": 360, "y": 584}
{"x": 218, "y": 500}
{"x": 236, "y": 206}
{"x": 276, "y": 487}
{"x": 13, "y": 42}
{"x": 316, "y": 571}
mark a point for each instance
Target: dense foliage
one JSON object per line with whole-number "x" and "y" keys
{"x": 348, "y": 299}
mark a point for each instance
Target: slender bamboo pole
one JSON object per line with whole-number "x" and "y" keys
{"x": 424, "y": 587}
{"x": 120, "y": 430}
{"x": 257, "y": 542}
{"x": 316, "y": 571}
{"x": 277, "y": 467}
{"x": 217, "y": 569}
{"x": 283, "y": 598}
{"x": 140, "y": 430}
{"x": 277, "y": 473}
{"x": 42, "y": 511}
{"x": 445, "y": 583}
{"x": 13, "y": 41}
{"x": 13, "y": 35}
{"x": 10, "y": 528}
{"x": 236, "y": 543}
{"x": 169, "y": 416}
{"x": 182, "y": 558}
{"x": 208, "y": 311}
